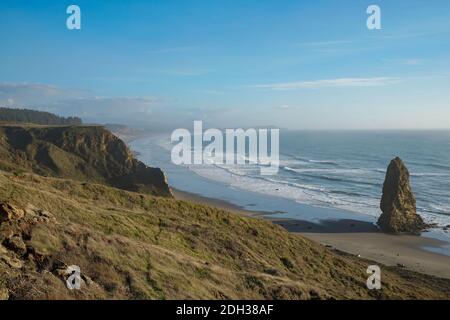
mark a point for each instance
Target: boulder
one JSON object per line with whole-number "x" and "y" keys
{"x": 16, "y": 244}
{"x": 38, "y": 215}
{"x": 9, "y": 212}
{"x": 398, "y": 204}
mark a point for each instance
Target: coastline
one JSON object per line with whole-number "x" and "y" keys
{"x": 352, "y": 236}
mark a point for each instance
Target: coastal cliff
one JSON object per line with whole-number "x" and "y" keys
{"x": 76, "y": 196}
{"x": 83, "y": 153}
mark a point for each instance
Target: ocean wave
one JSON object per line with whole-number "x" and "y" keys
{"x": 324, "y": 162}
{"x": 341, "y": 179}
{"x": 241, "y": 172}
{"x": 303, "y": 193}
{"x": 348, "y": 193}
{"x": 297, "y": 185}
{"x": 436, "y": 208}
{"x": 313, "y": 161}
{"x": 329, "y": 171}
{"x": 428, "y": 174}
{"x": 431, "y": 165}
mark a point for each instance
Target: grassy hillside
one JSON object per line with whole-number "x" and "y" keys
{"x": 84, "y": 153}
{"x": 136, "y": 246}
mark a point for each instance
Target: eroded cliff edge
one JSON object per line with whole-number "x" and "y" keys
{"x": 84, "y": 153}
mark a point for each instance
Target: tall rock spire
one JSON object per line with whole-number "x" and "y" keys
{"x": 398, "y": 203}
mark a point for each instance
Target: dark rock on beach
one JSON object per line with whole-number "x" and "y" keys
{"x": 398, "y": 204}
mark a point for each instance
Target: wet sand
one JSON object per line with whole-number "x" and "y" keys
{"x": 355, "y": 237}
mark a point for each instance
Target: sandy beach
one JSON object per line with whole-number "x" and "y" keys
{"x": 355, "y": 237}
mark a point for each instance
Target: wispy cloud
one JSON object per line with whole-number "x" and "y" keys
{"x": 20, "y": 94}
{"x": 73, "y": 102}
{"x": 185, "y": 72}
{"x": 323, "y": 43}
{"x": 330, "y": 83}
{"x": 212, "y": 92}
{"x": 285, "y": 107}
{"x": 407, "y": 61}
{"x": 135, "y": 110}
{"x": 407, "y": 35}
{"x": 173, "y": 49}
{"x": 332, "y": 46}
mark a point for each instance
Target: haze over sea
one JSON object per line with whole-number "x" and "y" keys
{"x": 341, "y": 172}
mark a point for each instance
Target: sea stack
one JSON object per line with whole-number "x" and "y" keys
{"x": 398, "y": 204}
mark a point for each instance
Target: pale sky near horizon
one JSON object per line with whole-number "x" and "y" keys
{"x": 295, "y": 64}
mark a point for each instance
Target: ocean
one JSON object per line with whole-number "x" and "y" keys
{"x": 322, "y": 174}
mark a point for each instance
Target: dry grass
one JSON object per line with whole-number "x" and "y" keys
{"x": 135, "y": 246}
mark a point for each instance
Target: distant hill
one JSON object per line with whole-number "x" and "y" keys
{"x": 10, "y": 115}
{"x": 83, "y": 153}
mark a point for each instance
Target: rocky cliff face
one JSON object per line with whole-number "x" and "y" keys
{"x": 84, "y": 153}
{"x": 398, "y": 203}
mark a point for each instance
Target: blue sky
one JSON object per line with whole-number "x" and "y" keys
{"x": 296, "y": 64}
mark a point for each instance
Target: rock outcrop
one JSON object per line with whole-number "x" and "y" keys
{"x": 9, "y": 212}
{"x": 84, "y": 153}
{"x": 16, "y": 228}
{"x": 23, "y": 251}
{"x": 398, "y": 204}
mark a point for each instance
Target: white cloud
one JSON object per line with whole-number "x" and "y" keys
{"x": 332, "y": 47}
{"x": 185, "y": 72}
{"x": 108, "y": 107}
{"x": 173, "y": 49}
{"x": 81, "y": 103}
{"x": 407, "y": 35}
{"x": 407, "y": 61}
{"x": 29, "y": 94}
{"x": 324, "y": 43}
{"x": 213, "y": 92}
{"x": 156, "y": 112}
{"x": 330, "y": 83}
{"x": 412, "y": 62}
{"x": 285, "y": 107}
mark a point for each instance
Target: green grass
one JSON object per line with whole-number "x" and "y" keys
{"x": 137, "y": 246}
